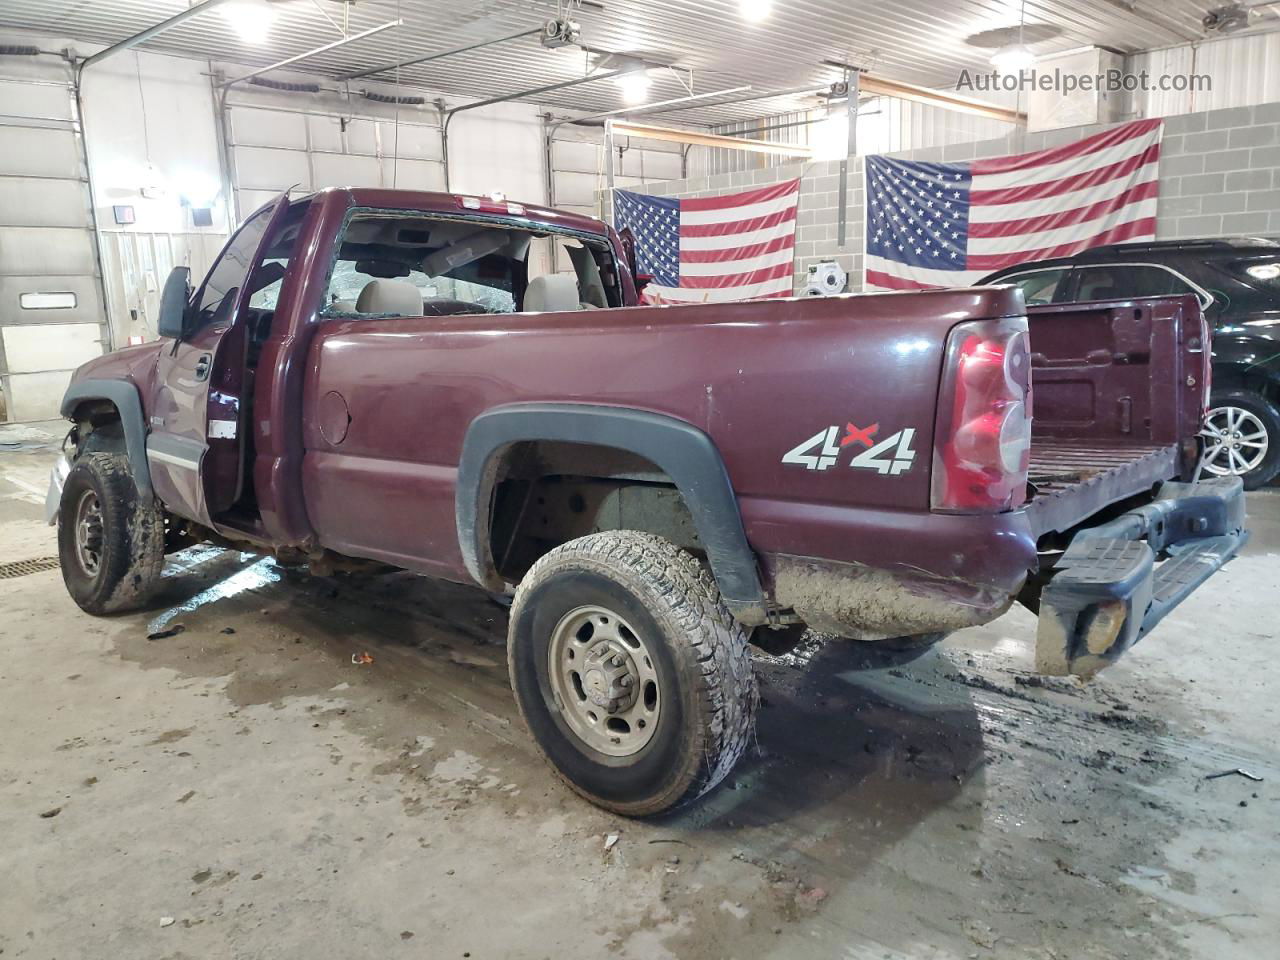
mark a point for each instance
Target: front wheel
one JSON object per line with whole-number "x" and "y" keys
{"x": 110, "y": 543}
{"x": 631, "y": 674}
{"x": 1242, "y": 437}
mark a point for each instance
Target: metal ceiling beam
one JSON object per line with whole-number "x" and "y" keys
{"x": 317, "y": 51}
{"x": 650, "y": 107}
{"x": 937, "y": 98}
{"x": 625, "y": 128}
{"x": 130, "y": 42}
{"x": 438, "y": 56}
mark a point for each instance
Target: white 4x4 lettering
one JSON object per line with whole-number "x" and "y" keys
{"x": 898, "y": 462}
{"x": 826, "y": 439}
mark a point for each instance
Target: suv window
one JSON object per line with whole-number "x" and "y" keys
{"x": 1039, "y": 286}
{"x": 1117, "y": 281}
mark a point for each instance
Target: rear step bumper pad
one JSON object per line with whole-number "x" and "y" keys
{"x": 1108, "y": 590}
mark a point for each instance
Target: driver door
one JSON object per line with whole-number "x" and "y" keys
{"x": 196, "y": 441}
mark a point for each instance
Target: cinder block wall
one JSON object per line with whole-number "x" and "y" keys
{"x": 1219, "y": 176}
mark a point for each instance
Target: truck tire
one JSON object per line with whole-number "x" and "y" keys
{"x": 629, "y": 671}
{"x": 1251, "y": 423}
{"x": 111, "y": 545}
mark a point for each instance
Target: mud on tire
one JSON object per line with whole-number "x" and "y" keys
{"x": 704, "y": 696}
{"x": 110, "y": 543}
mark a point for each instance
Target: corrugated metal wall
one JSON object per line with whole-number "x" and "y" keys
{"x": 885, "y": 125}
{"x": 1244, "y": 70}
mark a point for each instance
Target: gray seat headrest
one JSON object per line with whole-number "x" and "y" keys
{"x": 552, "y": 292}
{"x": 390, "y": 296}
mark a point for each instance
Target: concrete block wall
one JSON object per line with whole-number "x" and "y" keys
{"x": 1219, "y": 176}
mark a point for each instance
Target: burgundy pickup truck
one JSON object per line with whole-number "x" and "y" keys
{"x": 387, "y": 377}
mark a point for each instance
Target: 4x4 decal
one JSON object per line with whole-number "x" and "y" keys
{"x": 891, "y": 456}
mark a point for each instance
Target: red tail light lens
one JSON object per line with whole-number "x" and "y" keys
{"x": 982, "y": 445}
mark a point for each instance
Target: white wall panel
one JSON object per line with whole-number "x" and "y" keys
{"x": 59, "y": 346}
{"x": 40, "y": 152}
{"x": 264, "y": 168}
{"x": 412, "y": 174}
{"x": 1243, "y": 70}
{"x": 333, "y": 170}
{"x": 48, "y": 101}
{"x": 268, "y": 128}
{"x": 578, "y": 189}
{"x": 40, "y": 202}
{"x": 35, "y": 396}
{"x": 46, "y": 251}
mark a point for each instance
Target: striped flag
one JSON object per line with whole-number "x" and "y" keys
{"x": 712, "y": 249}
{"x": 950, "y": 224}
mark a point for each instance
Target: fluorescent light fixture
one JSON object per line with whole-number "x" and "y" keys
{"x": 830, "y": 137}
{"x": 1012, "y": 58}
{"x": 755, "y": 10}
{"x": 634, "y": 85}
{"x": 250, "y": 19}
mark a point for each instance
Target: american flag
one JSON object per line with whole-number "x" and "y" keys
{"x": 949, "y": 224}
{"x": 711, "y": 249}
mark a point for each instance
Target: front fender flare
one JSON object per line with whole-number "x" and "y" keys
{"x": 681, "y": 450}
{"x": 129, "y": 405}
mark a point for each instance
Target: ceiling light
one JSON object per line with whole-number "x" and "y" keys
{"x": 1264, "y": 271}
{"x": 634, "y": 85}
{"x": 830, "y": 137}
{"x": 1012, "y": 58}
{"x": 755, "y": 10}
{"x": 250, "y": 19}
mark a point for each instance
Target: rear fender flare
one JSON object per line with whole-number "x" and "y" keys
{"x": 124, "y": 396}
{"x": 681, "y": 450}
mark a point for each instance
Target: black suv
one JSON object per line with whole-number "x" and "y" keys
{"x": 1238, "y": 282}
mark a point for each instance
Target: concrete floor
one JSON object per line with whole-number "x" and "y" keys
{"x": 240, "y": 788}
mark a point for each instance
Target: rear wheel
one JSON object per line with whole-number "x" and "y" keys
{"x": 1242, "y": 437}
{"x": 632, "y": 676}
{"x": 110, "y": 543}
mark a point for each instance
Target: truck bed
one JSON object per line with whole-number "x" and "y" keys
{"x": 1117, "y": 387}
{"x": 1073, "y": 479}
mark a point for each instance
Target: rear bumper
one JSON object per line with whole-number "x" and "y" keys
{"x": 1117, "y": 580}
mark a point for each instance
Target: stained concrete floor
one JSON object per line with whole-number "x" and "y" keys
{"x": 240, "y": 788}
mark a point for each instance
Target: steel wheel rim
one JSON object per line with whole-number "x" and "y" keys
{"x": 603, "y": 681}
{"x": 89, "y": 538}
{"x": 1236, "y": 441}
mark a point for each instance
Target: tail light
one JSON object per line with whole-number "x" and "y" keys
{"x": 982, "y": 445}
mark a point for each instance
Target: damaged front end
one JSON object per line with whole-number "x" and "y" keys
{"x": 1116, "y": 581}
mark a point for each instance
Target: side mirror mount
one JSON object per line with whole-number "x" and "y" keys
{"x": 174, "y": 301}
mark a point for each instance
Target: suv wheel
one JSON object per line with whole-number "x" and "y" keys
{"x": 632, "y": 676}
{"x": 1242, "y": 437}
{"x": 111, "y": 545}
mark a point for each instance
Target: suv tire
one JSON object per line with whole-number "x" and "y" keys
{"x": 1254, "y": 413}
{"x": 110, "y": 544}
{"x": 629, "y": 671}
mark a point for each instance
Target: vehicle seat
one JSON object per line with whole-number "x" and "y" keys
{"x": 551, "y": 293}
{"x": 397, "y": 297}
{"x": 1099, "y": 290}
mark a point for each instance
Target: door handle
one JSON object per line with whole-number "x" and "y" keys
{"x": 203, "y": 365}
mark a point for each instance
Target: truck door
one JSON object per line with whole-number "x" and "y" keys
{"x": 196, "y": 442}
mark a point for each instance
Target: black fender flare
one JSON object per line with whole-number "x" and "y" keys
{"x": 127, "y": 402}
{"x": 681, "y": 450}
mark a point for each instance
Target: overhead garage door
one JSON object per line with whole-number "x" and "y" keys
{"x": 51, "y": 311}
{"x": 274, "y": 147}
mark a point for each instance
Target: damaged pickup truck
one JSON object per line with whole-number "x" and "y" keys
{"x": 397, "y": 378}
